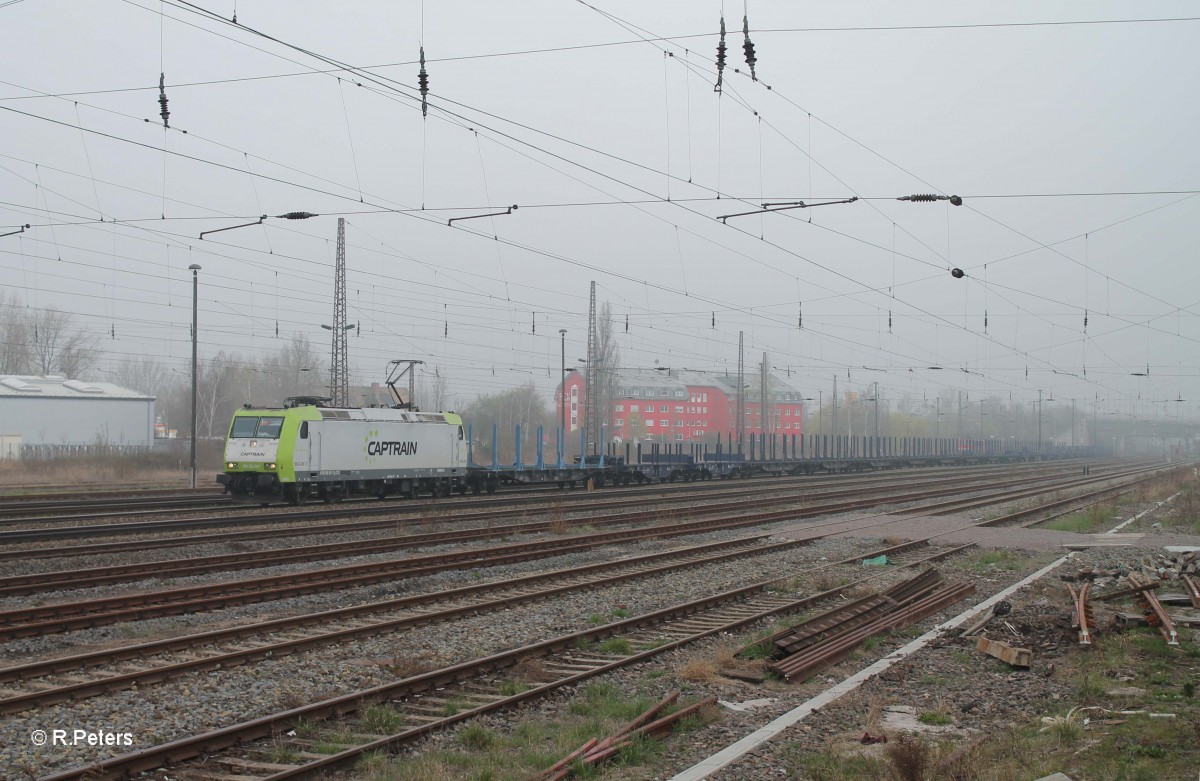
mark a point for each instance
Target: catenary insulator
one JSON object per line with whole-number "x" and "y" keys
{"x": 748, "y": 47}
{"x": 720, "y": 58}
{"x": 423, "y": 83}
{"x": 957, "y": 273}
{"x": 297, "y": 216}
{"x": 162, "y": 99}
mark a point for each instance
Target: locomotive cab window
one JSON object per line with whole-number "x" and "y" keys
{"x": 460, "y": 434}
{"x": 268, "y": 428}
{"x": 243, "y": 427}
{"x": 304, "y": 430}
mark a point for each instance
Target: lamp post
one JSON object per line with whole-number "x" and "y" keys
{"x": 195, "y": 269}
{"x": 562, "y": 392}
{"x": 1039, "y": 421}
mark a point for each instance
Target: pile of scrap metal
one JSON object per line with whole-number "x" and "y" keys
{"x": 1175, "y": 563}
{"x": 808, "y": 647}
{"x": 1143, "y": 584}
{"x": 648, "y": 724}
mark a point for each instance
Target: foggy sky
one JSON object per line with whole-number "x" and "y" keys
{"x": 982, "y": 112}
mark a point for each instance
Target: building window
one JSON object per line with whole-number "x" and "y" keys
{"x": 679, "y": 437}
{"x": 679, "y": 424}
{"x": 633, "y": 392}
{"x": 679, "y": 394}
{"x": 666, "y": 392}
{"x": 649, "y": 422}
{"x": 705, "y": 395}
{"x": 619, "y": 423}
{"x": 575, "y": 392}
{"x": 679, "y": 408}
{"x": 662, "y": 423}
{"x": 633, "y": 408}
{"x": 620, "y": 408}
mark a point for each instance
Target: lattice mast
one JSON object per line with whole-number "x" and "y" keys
{"x": 339, "y": 361}
{"x": 591, "y": 410}
{"x": 741, "y": 395}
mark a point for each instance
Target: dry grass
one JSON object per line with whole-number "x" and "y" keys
{"x": 557, "y": 523}
{"x": 528, "y": 670}
{"x": 406, "y": 667}
{"x": 910, "y": 757}
{"x": 725, "y": 656}
{"x": 698, "y": 670}
{"x": 875, "y": 708}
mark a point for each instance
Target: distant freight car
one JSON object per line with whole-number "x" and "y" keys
{"x": 313, "y": 452}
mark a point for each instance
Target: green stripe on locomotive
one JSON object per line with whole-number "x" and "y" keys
{"x": 289, "y": 435}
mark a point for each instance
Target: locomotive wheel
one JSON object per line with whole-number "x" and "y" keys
{"x": 294, "y": 494}
{"x": 475, "y": 487}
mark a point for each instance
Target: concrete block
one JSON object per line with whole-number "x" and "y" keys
{"x": 1017, "y": 657}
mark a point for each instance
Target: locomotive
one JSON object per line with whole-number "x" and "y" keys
{"x": 306, "y": 450}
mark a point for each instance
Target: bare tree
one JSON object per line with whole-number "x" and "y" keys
{"x": 143, "y": 374}
{"x": 217, "y": 393}
{"x": 296, "y": 370}
{"x": 607, "y": 363}
{"x": 57, "y": 347}
{"x": 15, "y": 355}
{"x": 439, "y": 391}
{"x": 522, "y": 406}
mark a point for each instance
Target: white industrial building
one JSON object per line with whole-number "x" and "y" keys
{"x": 50, "y": 415}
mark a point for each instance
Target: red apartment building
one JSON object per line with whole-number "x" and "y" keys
{"x": 686, "y": 405}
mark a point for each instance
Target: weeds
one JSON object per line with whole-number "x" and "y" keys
{"x": 910, "y": 757}
{"x": 382, "y": 720}
{"x": 511, "y": 688}
{"x": 616, "y": 645}
{"x": 476, "y": 737}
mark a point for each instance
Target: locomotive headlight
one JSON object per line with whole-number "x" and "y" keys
{"x": 270, "y": 466}
{"x": 231, "y": 465}
{"x": 254, "y": 443}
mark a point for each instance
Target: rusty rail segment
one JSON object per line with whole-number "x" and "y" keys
{"x": 1082, "y": 618}
{"x": 1191, "y": 586}
{"x": 1156, "y": 614}
{"x": 830, "y": 637}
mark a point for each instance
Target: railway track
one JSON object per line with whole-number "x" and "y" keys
{"x": 77, "y": 521}
{"x": 509, "y": 507}
{"x": 438, "y": 699}
{"x": 31, "y": 583}
{"x": 68, "y": 616}
{"x": 444, "y": 697}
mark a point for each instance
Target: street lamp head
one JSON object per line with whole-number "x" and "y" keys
{"x": 562, "y": 331}
{"x": 194, "y": 267}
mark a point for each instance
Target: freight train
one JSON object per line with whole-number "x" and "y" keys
{"x": 307, "y": 451}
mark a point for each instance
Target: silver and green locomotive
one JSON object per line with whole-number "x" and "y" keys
{"x": 307, "y": 451}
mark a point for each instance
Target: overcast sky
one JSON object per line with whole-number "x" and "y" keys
{"x": 1073, "y": 146}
